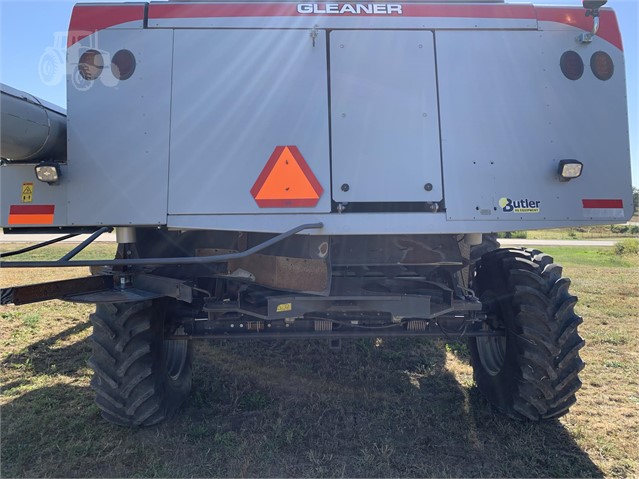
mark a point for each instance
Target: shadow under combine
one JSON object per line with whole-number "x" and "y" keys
{"x": 287, "y": 409}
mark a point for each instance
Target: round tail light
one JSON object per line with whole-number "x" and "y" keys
{"x": 572, "y": 66}
{"x": 602, "y": 66}
{"x": 123, "y": 64}
{"x": 91, "y": 64}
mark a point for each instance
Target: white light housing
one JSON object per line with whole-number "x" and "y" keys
{"x": 570, "y": 169}
{"x": 48, "y": 172}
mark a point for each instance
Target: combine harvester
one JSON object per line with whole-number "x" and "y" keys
{"x": 322, "y": 170}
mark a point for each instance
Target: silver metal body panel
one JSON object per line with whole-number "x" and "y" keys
{"x": 362, "y": 223}
{"x": 12, "y": 180}
{"x": 248, "y": 92}
{"x": 516, "y": 123}
{"x": 182, "y": 142}
{"x": 385, "y": 142}
{"x": 118, "y": 133}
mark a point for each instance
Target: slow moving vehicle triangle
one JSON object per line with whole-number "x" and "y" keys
{"x": 286, "y": 181}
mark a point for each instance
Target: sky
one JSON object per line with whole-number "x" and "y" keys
{"x": 30, "y": 29}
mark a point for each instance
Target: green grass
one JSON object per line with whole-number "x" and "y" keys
{"x": 57, "y": 251}
{"x": 585, "y": 232}
{"x": 389, "y": 408}
{"x": 591, "y": 256}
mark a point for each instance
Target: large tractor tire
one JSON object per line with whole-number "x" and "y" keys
{"x": 488, "y": 243}
{"x": 139, "y": 378}
{"x": 531, "y": 373}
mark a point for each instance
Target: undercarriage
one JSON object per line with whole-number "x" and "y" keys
{"x": 295, "y": 286}
{"x": 166, "y": 288}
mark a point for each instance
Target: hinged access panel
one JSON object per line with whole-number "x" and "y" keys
{"x": 239, "y": 98}
{"x": 384, "y": 116}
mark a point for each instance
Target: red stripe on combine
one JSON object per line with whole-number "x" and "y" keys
{"x": 469, "y": 11}
{"x": 220, "y": 10}
{"x": 608, "y": 26}
{"x": 602, "y": 203}
{"x": 88, "y": 19}
{"x": 32, "y": 209}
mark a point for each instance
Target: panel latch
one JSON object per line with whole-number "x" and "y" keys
{"x": 314, "y": 33}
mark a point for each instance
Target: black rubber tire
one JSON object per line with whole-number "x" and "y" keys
{"x": 489, "y": 243}
{"x": 532, "y": 372}
{"x": 139, "y": 378}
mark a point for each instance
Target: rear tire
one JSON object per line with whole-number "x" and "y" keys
{"x": 139, "y": 378}
{"x": 488, "y": 243}
{"x": 532, "y": 372}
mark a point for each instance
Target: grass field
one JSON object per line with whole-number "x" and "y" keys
{"x": 608, "y": 232}
{"x": 375, "y": 408}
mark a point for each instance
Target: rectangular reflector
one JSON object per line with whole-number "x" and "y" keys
{"x": 31, "y": 214}
{"x": 602, "y": 208}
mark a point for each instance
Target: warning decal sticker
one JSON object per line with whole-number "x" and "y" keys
{"x": 284, "y": 307}
{"x": 286, "y": 181}
{"x": 27, "y": 192}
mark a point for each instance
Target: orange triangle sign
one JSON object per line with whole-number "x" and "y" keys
{"x": 286, "y": 181}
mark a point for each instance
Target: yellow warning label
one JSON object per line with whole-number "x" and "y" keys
{"x": 27, "y": 192}
{"x": 282, "y": 308}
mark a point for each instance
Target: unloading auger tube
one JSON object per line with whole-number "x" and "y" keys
{"x": 31, "y": 129}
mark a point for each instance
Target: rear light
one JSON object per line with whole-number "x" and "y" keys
{"x": 570, "y": 169}
{"x": 602, "y": 66}
{"x": 123, "y": 64}
{"x": 572, "y": 66}
{"x": 48, "y": 172}
{"x": 91, "y": 64}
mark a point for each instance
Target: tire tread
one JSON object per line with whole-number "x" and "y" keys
{"x": 129, "y": 378}
{"x": 544, "y": 327}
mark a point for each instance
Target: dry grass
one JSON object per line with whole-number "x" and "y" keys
{"x": 372, "y": 409}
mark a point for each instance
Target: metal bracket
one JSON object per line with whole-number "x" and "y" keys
{"x": 587, "y": 37}
{"x": 172, "y": 288}
{"x": 84, "y": 244}
{"x": 34, "y": 293}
